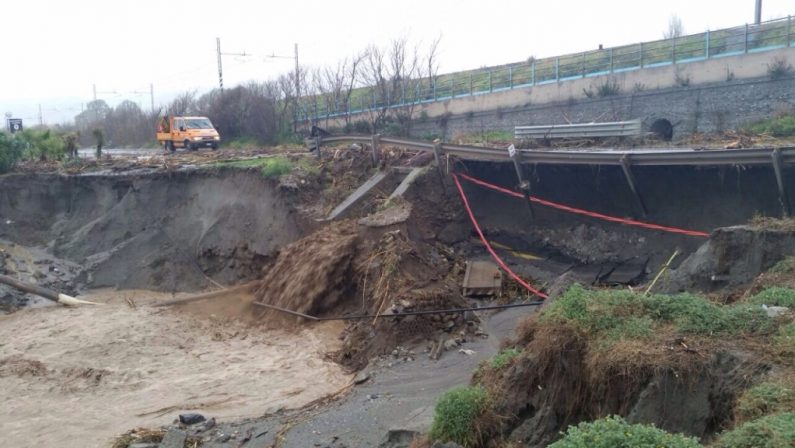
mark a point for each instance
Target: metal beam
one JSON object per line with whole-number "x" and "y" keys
{"x": 524, "y": 184}
{"x": 782, "y": 191}
{"x": 627, "y": 167}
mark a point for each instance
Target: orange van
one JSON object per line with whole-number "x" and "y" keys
{"x": 190, "y": 133}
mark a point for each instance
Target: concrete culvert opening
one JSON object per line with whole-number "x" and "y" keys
{"x": 663, "y": 129}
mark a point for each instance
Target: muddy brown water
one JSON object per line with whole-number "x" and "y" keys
{"x": 77, "y": 377}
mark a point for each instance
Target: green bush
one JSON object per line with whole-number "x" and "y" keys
{"x": 42, "y": 145}
{"x": 503, "y": 358}
{"x": 763, "y": 399}
{"x": 775, "y": 296}
{"x": 784, "y": 339}
{"x": 785, "y": 266}
{"x": 456, "y": 413}
{"x": 10, "y": 152}
{"x": 276, "y": 166}
{"x": 783, "y": 126}
{"x": 614, "y": 432}
{"x": 772, "y": 431}
{"x": 620, "y": 314}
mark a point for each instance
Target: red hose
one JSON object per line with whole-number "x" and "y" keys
{"x": 578, "y": 211}
{"x": 488, "y": 246}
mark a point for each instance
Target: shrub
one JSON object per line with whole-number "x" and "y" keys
{"x": 785, "y": 266}
{"x": 784, "y": 340}
{"x": 783, "y": 126}
{"x": 775, "y": 296}
{"x": 10, "y": 152}
{"x": 276, "y": 166}
{"x": 779, "y": 69}
{"x": 772, "y": 431}
{"x": 42, "y": 145}
{"x": 503, "y": 358}
{"x": 614, "y": 432}
{"x": 456, "y": 414}
{"x": 764, "y": 399}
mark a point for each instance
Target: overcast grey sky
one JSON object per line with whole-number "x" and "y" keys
{"x": 54, "y": 51}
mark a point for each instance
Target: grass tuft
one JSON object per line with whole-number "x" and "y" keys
{"x": 775, "y": 296}
{"x": 503, "y": 358}
{"x": 772, "y": 431}
{"x": 767, "y": 398}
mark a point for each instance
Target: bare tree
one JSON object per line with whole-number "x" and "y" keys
{"x": 675, "y": 27}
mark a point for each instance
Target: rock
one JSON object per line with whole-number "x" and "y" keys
{"x": 174, "y": 438}
{"x": 450, "y": 344}
{"x": 191, "y": 419}
{"x": 206, "y": 426}
{"x": 372, "y": 396}
{"x": 361, "y": 377}
{"x": 223, "y": 438}
{"x": 775, "y": 311}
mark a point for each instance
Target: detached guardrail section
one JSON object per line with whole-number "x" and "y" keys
{"x": 748, "y": 38}
{"x": 584, "y": 130}
{"x": 625, "y": 158}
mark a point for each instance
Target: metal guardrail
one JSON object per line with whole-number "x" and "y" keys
{"x": 748, "y": 38}
{"x": 601, "y": 156}
{"x": 609, "y": 129}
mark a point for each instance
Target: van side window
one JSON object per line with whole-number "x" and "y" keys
{"x": 178, "y": 124}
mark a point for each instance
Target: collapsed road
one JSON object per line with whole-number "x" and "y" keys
{"x": 153, "y": 235}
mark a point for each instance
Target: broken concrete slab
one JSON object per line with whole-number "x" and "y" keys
{"x": 359, "y": 194}
{"x": 482, "y": 278}
{"x": 406, "y": 183}
{"x": 174, "y": 438}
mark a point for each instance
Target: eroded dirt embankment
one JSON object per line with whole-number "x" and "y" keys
{"x": 160, "y": 231}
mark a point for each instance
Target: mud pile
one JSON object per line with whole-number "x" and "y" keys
{"x": 311, "y": 275}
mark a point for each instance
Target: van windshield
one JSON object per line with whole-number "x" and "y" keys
{"x": 198, "y": 123}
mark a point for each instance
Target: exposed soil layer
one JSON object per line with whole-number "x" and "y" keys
{"x": 162, "y": 231}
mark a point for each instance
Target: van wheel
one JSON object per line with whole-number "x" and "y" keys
{"x": 214, "y": 146}
{"x": 169, "y": 146}
{"x": 188, "y": 146}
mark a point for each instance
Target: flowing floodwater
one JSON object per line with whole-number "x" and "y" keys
{"x": 77, "y": 377}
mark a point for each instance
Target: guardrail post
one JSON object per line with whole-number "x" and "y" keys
{"x": 641, "y": 55}
{"x": 437, "y": 155}
{"x": 374, "y": 141}
{"x": 533, "y": 72}
{"x": 557, "y": 69}
{"x": 626, "y": 166}
{"x": 706, "y": 45}
{"x": 782, "y": 191}
{"x": 746, "y": 38}
{"x": 318, "y": 141}
{"x": 524, "y": 184}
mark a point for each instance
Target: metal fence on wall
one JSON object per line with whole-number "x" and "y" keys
{"x": 748, "y": 38}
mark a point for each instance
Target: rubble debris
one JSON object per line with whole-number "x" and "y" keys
{"x": 191, "y": 418}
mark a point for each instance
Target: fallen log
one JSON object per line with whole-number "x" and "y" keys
{"x": 208, "y": 295}
{"x": 48, "y": 294}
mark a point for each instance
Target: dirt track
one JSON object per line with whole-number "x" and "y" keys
{"x": 78, "y": 377}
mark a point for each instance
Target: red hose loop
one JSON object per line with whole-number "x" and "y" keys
{"x": 591, "y": 214}
{"x": 488, "y": 246}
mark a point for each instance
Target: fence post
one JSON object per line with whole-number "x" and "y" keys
{"x": 491, "y": 85}
{"x": 706, "y": 45}
{"x": 510, "y": 77}
{"x": 582, "y": 68}
{"x": 533, "y": 70}
{"x": 746, "y": 38}
{"x": 557, "y": 68}
{"x": 641, "y": 55}
{"x": 611, "y": 59}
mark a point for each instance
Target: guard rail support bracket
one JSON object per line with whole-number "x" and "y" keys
{"x": 437, "y": 155}
{"x": 627, "y": 167}
{"x": 376, "y": 139}
{"x": 524, "y": 184}
{"x": 782, "y": 191}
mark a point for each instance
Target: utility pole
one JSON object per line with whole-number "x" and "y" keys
{"x": 41, "y": 117}
{"x": 758, "y": 12}
{"x": 297, "y": 75}
{"x": 220, "y": 69}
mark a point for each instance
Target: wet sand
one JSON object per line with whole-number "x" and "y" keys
{"x": 78, "y": 377}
